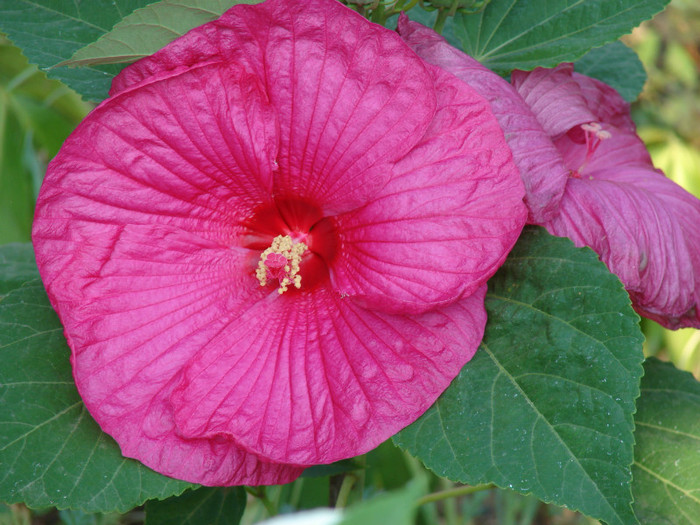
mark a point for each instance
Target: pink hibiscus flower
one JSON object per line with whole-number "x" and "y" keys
{"x": 644, "y": 227}
{"x": 589, "y": 177}
{"x": 269, "y": 246}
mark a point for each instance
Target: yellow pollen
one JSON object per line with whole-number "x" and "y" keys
{"x": 285, "y": 267}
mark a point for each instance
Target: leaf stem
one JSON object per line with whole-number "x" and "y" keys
{"x": 453, "y": 493}
{"x": 344, "y": 492}
{"x": 440, "y": 20}
{"x": 261, "y": 494}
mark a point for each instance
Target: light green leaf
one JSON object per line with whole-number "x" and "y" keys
{"x": 618, "y": 66}
{"x": 521, "y": 34}
{"x": 146, "y": 30}
{"x": 666, "y": 469}
{"x": 36, "y": 116}
{"x": 50, "y": 31}
{"x": 16, "y": 189}
{"x": 206, "y": 505}
{"x": 545, "y": 407}
{"x": 396, "y": 508}
{"x": 51, "y": 451}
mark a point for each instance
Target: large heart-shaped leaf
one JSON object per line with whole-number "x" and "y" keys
{"x": 51, "y": 451}
{"x": 618, "y": 66}
{"x": 545, "y": 406}
{"x": 521, "y": 34}
{"x": 17, "y": 265}
{"x": 666, "y": 469}
{"x": 210, "y": 505}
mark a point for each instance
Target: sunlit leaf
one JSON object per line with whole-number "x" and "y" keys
{"x": 396, "y": 508}
{"x": 146, "y": 30}
{"x": 545, "y": 407}
{"x": 50, "y": 31}
{"x": 667, "y": 455}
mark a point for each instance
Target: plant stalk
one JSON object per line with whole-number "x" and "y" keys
{"x": 453, "y": 493}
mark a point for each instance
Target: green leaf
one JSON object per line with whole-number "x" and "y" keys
{"x": 36, "y": 116}
{"x": 332, "y": 469}
{"x": 17, "y": 266}
{"x": 51, "y": 451}
{"x": 396, "y": 508}
{"x": 50, "y": 31}
{"x": 16, "y": 189}
{"x": 666, "y": 469}
{"x": 521, "y": 34}
{"x": 618, "y": 66}
{"x": 210, "y": 505}
{"x": 146, "y": 30}
{"x": 545, "y": 407}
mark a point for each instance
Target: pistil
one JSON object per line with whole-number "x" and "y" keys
{"x": 594, "y": 134}
{"x": 281, "y": 261}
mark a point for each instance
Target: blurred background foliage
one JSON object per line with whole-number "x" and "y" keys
{"x": 668, "y": 118}
{"x": 37, "y": 114}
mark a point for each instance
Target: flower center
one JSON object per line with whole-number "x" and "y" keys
{"x": 281, "y": 261}
{"x": 594, "y": 134}
{"x": 292, "y": 243}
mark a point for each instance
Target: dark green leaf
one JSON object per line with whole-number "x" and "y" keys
{"x": 146, "y": 30}
{"x": 18, "y": 266}
{"x": 50, "y": 31}
{"x": 51, "y": 451}
{"x": 616, "y": 65}
{"x": 521, "y": 34}
{"x": 206, "y": 505}
{"x": 545, "y": 407}
{"x": 332, "y": 469}
{"x": 666, "y": 469}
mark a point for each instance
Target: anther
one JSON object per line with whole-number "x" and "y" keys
{"x": 281, "y": 261}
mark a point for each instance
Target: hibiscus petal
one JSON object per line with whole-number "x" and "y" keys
{"x": 312, "y": 378}
{"x": 132, "y": 233}
{"x": 200, "y": 164}
{"x": 159, "y": 296}
{"x": 605, "y": 102}
{"x": 540, "y": 165}
{"x": 349, "y": 106}
{"x": 554, "y": 97}
{"x": 446, "y": 220}
{"x": 645, "y": 229}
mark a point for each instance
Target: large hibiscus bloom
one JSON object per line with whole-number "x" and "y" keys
{"x": 644, "y": 226}
{"x": 269, "y": 246}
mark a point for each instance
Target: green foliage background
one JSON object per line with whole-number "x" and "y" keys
{"x": 36, "y": 114}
